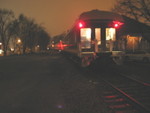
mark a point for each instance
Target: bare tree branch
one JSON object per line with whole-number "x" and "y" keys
{"x": 136, "y": 9}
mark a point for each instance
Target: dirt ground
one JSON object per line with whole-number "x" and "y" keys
{"x": 45, "y": 84}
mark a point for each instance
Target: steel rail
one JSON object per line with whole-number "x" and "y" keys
{"x": 137, "y": 103}
{"x": 133, "y": 79}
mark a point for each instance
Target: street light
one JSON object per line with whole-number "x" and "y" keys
{"x": 19, "y": 41}
{"x": 19, "y": 45}
{"x": 1, "y": 51}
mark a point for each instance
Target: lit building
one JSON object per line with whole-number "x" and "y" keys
{"x": 134, "y": 35}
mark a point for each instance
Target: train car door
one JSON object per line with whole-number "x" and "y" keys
{"x": 105, "y": 38}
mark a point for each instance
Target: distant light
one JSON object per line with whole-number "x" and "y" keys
{"x": 61, "y": 46}
{"x": 12, "y": 49}
{"x": 18, "y": 41}
{"x": 1, "y": 51}
{"x": 53, "y": 45}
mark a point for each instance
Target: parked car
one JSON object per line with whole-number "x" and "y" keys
{"x": 137, "y": 56}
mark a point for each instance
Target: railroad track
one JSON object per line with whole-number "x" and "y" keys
{"x": 126, "y": 95}
{"x": 123, "y": 94}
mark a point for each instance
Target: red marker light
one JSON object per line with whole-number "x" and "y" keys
{"x": 61, "y": 46}
{"x": 117, "y": 24}
{"x": 81, "y": 24}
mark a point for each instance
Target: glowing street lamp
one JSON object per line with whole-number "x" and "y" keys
{"x": 19, "y": 41}
{"x": 19, "y": 45}
{"x": 12, "y": 49}
{"x": 1, "y": 51}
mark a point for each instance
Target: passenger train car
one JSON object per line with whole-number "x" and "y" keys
{"x": 94, "y": 34}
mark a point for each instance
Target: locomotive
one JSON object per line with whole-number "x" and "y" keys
{"x": 94, "y": 36}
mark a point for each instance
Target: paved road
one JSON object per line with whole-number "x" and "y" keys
{"x": 45, "y": 84}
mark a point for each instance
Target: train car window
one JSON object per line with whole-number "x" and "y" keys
{"x": 85, "y": 34}
{"x": 98, "y": 35}
{"x": 110, "y": 38}
{"x": 111, "y": 34}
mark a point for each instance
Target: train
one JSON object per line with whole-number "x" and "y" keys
{"x": 94, "y": 35}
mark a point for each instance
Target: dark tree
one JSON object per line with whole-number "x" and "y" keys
{"x": 24, "y": 30}
{"x": 31, "y": 34}
{"x": 43, "y": 39}
{"x": 6, "y": 31}
{"x": 136, "y": 9}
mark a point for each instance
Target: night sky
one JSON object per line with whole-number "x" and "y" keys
{"x": 55, "y": 15}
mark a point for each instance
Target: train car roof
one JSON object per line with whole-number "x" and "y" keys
{"x": 100, "y": 15}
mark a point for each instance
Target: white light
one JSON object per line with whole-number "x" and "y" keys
{"x": 12, "y": 49}
{"x": 86, "y": 32}
{"x": 18, "y": 41}
{"x": 110, "y": 34}
{"x": 85, "y": 37}
{"x": 1, "y": 51}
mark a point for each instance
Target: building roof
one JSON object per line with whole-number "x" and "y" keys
{"x": 133, "y": 27}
